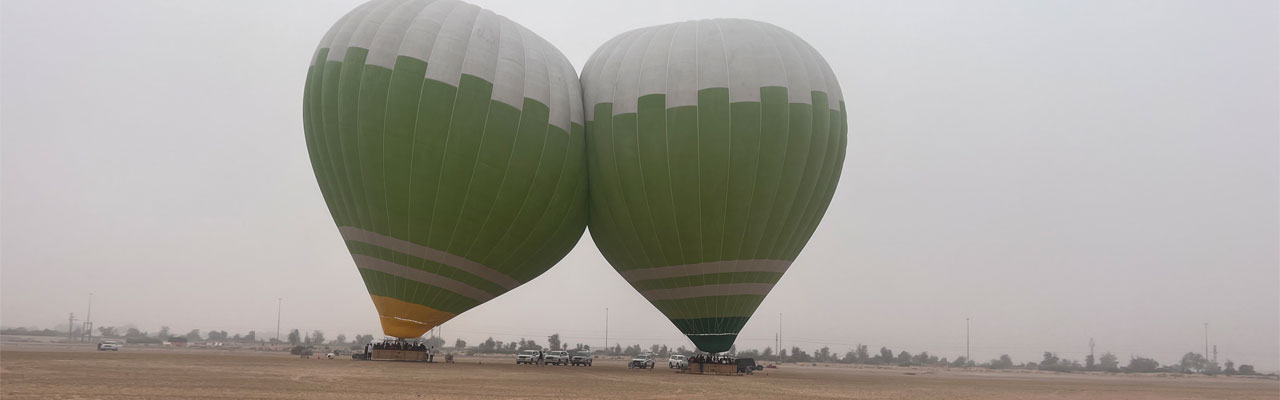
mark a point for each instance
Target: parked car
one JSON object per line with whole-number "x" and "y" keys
{"x": 558, "y": 357}
{"x": 678, "y": 361}
{"x": 642, "y": 360}
{"x": 527, "y": 357}
{"x": 581, "y": 358}
{"x": 747, "y": 365}
{"x": 112, "y": 345}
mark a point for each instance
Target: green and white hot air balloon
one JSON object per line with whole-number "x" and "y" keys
{"x": 713, "y": 150}
{"x": 448, "y": 143}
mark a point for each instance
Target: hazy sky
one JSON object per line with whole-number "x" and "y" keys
{"x": 1057, "y": 171}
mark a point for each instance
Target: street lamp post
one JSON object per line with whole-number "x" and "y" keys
{"x": 279, "y": 302}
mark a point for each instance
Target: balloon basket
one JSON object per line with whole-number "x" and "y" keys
{"x": 711, "y": 369}
{"x": 398, "y": 355}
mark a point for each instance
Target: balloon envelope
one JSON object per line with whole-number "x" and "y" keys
{"x": 448, "y": 144}
{"x": 713, "y": 149}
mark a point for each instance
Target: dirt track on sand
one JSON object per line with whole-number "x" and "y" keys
{"x": 73, "y": 372}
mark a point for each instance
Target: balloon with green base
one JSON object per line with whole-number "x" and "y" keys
{"x": 713, "y": 148}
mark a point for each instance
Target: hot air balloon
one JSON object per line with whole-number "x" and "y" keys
{"x": 713, "y": 150}
{"x": 448, "y": 144}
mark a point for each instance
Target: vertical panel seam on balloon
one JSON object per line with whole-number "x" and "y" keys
{"x": 559, "y": 177}
{"x": 541, "y": 150}
{"x": 728, "y": 84}
{"x": 613, "y": 147}
{"x": 445, "y": 151}
{"x": 515, "y": 139}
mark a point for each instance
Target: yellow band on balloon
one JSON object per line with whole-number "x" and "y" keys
{"x": 403, "y": 319}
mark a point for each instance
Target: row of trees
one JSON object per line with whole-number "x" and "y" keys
{"x": 1107, "y": 362}
{"x": 861, "y": 354}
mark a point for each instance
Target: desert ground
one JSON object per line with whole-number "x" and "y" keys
{"x": 61, "y": 371}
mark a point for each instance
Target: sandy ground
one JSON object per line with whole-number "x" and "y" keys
{"x": 59, "y": 371}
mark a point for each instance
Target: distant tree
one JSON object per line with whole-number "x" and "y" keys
{"x": 1231, "y": 368}
{"x": 1142, "y": 364}
{"x": 108, "y": 331}
{"x": 959, "y": 362}
{"x": 1109, "y": 362}
{"x": 252, "y": 336}
{"x": 798, "y": 355}
{"x": 460, "y": 344}
{"x": 295, "y": 337}
{"x": 1246, "y": 369}
{"x": 1004, "y": 362}
{"x": 944, "y": 362}
{"x": 1193, "y": 362}
{"x": 863, "y": 356}
{"x": 654, "y": 349}
{"x": 433, "y": 341}
{"x": 923, "y": 359}
{"x": 617, "y": 348}
{"x": 767, "y": 353}
{"x": 782, "y": 355}
{"x": 217, "y": 335}
{"x": 554, "y": 341}
{"x": 163, "y": 333}
{"x": 885, "y": 357}
{"x": 664, "y": 351}
{"x": 682, "y": 350}
{"x": 632, "y": 350}
{"x": 512, "y": 347}
{"x": 823, "y": 354}
{"x": 487, "y": 346}
{"x": 528, "y": 345}
{"x": 341, "y": 339}
{"x": 903, "y": 358}
{"x": 134, "y": 332}
{"x": 1050, "y": 359}
{"x": 317, "y": 337}
{"x": 1089, "y": 363}
{"x": 364, "y": 339}
{"x": 753, "y": 353}
{"x": 193, "y": 335}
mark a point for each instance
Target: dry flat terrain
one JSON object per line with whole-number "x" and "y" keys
{"x": 72, "y": 372}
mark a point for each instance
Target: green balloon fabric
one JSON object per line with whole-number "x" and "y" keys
{"x": 448, "y": 144}
{"x": 713, "y": 148}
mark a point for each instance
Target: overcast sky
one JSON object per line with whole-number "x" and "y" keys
{"x": 1057, "y": 171}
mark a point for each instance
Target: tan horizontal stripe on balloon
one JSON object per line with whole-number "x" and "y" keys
{"x": 710, "y": 267}
{"x": 420, "y": 276}
{"x": 429, "y": 254}
{"x": 728, "y": 289}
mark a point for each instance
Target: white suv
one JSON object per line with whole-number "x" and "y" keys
{"x": 527, "y": 357}
{"x": 112, "y": 345}
{"x": 557, "y": 357}
{"x": 678, "y": 361}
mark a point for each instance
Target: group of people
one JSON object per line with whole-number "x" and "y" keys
{"x": 401, "y": 346}
{"x": 712, "y": 359}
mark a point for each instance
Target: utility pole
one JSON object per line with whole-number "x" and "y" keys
{"x": 779, "y": 337}
{"x": 1206, "y": 339}
{"x": 1091, "y": 348}
{"x": 967, "y": 358}
{"x": 606, "y": 330}
{"x": 71, "y": 327}
{"x": 88, "y": 319}
{"x": 1215, "y": 354}
{"x": 279, "y": 302}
